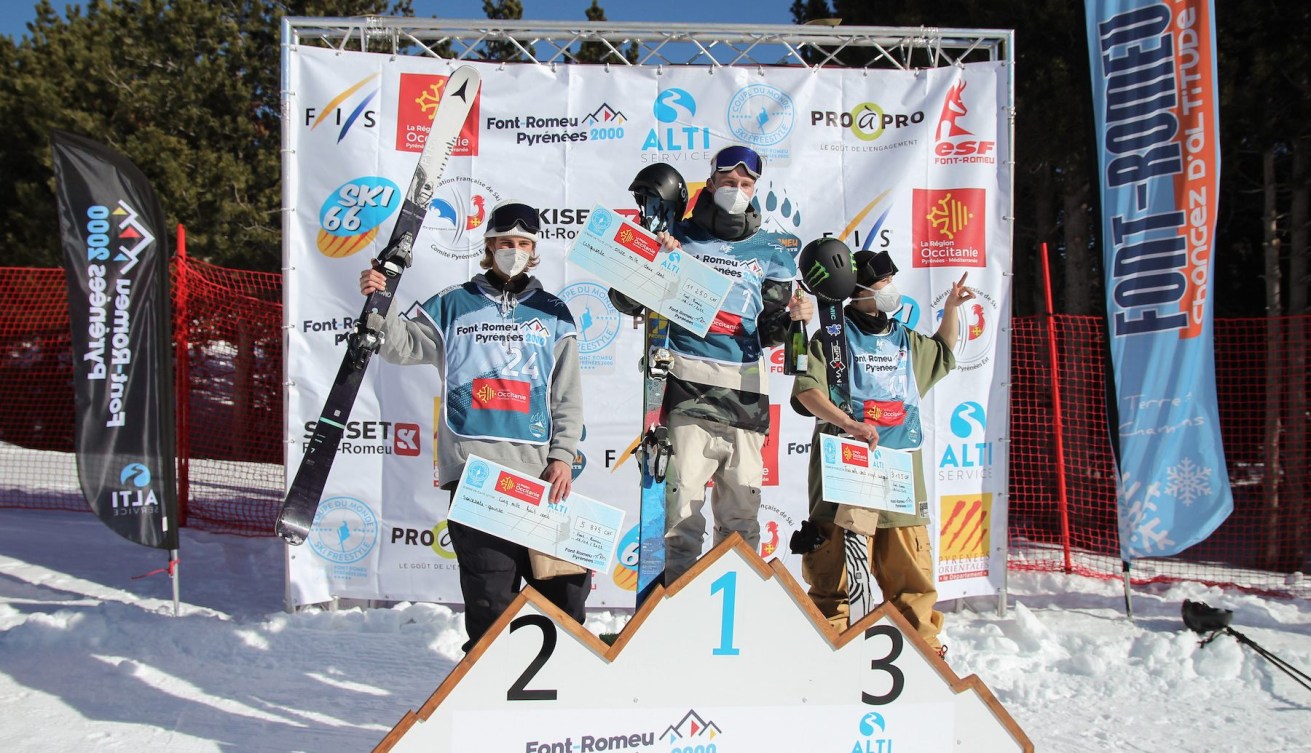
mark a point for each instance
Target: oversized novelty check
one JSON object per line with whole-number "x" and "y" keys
{"x": 853, "y": 474}
{"x": 516, "y": 507}
{"x": 674, "y": 284}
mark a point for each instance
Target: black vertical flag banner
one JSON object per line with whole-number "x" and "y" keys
{"x": 111, "y": 227}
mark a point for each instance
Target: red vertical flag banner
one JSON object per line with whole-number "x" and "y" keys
{"x": 111, "y": 230}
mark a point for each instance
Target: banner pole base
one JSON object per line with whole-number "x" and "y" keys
{"x": 1128, "y": 593}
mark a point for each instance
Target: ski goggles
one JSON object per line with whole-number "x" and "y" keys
{"x": 728, "y": 158}
{"x": 505, "y": 217}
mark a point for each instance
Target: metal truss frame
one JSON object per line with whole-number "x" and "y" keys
{"x": 659, "y": 44}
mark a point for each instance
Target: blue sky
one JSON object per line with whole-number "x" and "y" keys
{"x": 15, "y": 14}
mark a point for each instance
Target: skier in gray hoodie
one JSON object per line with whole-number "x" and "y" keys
{"x": 506, "y": 353}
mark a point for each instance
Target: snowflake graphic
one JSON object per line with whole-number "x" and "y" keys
{"x": 1140, "y": 523}
{"x": 1188, "y": 481}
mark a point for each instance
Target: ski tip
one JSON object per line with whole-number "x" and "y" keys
{"x": 291, "y": 533}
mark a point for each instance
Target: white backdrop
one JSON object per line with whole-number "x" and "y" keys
{"x": 915, "y": 162}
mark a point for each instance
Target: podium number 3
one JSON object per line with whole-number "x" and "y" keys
{"x": 885, "y": 665}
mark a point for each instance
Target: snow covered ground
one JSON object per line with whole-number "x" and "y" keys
{"x": 93, "y": 660}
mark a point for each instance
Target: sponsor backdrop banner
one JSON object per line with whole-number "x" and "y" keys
{"x": 1154, "y": 95}
{"x": 915, "y": 162}
{"x": 110, "y": 226}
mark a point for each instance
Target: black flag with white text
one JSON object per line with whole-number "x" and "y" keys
{"x": 111, "y": 229}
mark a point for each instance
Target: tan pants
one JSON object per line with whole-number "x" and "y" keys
{"x": 902, "y": 562}
{"x": 705, "y": 451}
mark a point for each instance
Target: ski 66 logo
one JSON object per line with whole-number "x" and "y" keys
{"x": 349, "y": 218}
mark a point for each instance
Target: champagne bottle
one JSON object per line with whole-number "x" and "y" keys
{"x": 795, "y": 346}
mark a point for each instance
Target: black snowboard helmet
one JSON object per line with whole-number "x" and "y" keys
{"x": 872, "y": 266}
{"x": 827, "y": 269}
{"x": 661, "y": 195}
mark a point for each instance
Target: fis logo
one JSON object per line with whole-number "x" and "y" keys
{"x": 348, "y": 108}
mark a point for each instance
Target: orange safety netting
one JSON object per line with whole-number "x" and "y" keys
{"x": 231, "y": 403}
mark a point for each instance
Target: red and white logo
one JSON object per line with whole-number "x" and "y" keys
{"x": 853, "y": 454}
{"x": 954, "y": 144}
{"x": 644, "y": 246}
{"x": 520, "y": 488}
{"x": 885, "y": 412}
{"x": 949, "y": 228}
{"x": 501, "y": 394}
{"x": 405, "y": 439}
{"x": 769, "y": 452}
{"x": 419, "y": 95}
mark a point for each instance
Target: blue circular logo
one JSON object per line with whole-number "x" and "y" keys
{"x": 669, "y": 102}
{"x": 869, "y": 722}
{"x": 135, "y": 474}
{"x": 761, "y": 114}
{"x": 967, "y": 418}
{"x": 597, "y": 321}
{"x": 345, "y": 530}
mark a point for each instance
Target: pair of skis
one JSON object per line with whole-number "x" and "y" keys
{"x": 296, "y": 515}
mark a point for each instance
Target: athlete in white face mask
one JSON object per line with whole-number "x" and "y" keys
{"x": 506, "y": 353}
{"x": 717, "y": 395}
{"x": 891, "y": 369}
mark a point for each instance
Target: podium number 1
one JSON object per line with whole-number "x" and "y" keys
{"x": 728, "y": 584}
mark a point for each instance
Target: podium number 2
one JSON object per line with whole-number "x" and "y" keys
{"x": 519, "y": 690}
{"x": 728, "y": 584}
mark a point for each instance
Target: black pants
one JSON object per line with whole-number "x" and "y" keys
{"x": 493, "y": 570}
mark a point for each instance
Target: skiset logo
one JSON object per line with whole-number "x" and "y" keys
{"x": 954, "y": 143}
{"x": 604, "y": 123}
{"x": 374, "y": 438}
{"x": 348, "y": 108}
{"x": 350, "y": 216}
{"x": 949, "y": 227}
{"x": 419, "y": 95}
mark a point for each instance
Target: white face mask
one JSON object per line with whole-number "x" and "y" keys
{"x": 511, "y": 261}
{"x": 887, "y": 298}
{"x": 732, "y": 200}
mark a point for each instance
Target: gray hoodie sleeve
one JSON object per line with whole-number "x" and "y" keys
{"x": 407, "y": 342}
{"x": 566, "y": 402}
